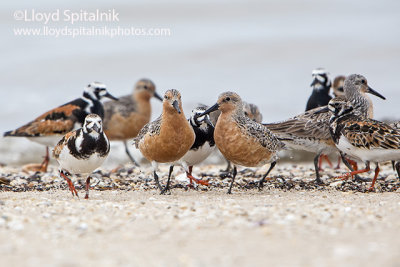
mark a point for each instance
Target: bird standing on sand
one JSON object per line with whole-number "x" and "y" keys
{"x": 49, "y": 128}
{"x": 168, "y": 138}
{"x": 310, "y": 130}
{"x": 123, "y": 119}
{"x": 82, "y": 151}
{"x": 253, "y": 113}
{"x": 320, "y": 97}
{"x": 203, "y": 145}
{"x": 241, "y": 140}
{"x": 362, "y": 138}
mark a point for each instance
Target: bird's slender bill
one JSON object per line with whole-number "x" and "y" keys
{"x": 158, "y": 96}
{"x": 211, "y": 109}
{"x": 111, "y": 96}
{"x": 373, "y": 92}
{"x": 176, "y": 106}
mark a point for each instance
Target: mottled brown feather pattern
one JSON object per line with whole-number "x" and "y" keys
{"x": 310, "y": 124}
{"x": 59, "y": 147}
{"x": 371, "y": 134}
{"x": 45, "y": 125}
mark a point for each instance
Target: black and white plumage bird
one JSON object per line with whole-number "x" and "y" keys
{"x": 321, "y": 86}
{"x": 82, "y": 151}
{"x": 361, "y": 137}
{"x": 49, "y": 128}
{"x": 204, "y": 143}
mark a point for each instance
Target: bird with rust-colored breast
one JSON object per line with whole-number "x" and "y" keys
{"x": 168, "y": 138}
{"x": 241, "y": 140}
{"x": 50, "y": 127}
{"x": 123, "y": 119}
{"x": 82, "y": 151}
{"x": 252, "y": 112}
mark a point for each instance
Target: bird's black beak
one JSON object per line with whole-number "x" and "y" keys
{"x": 373, "y": 92}
{"x": 158, "y": 96}
{"x": 176, "y": 106}
{"x": 96, "y": 128}
{"x": 211, "y": 109}
{"x": 111, "y": 96}
{"x": 314, "y": 82}
{"x": 322, "y": 110}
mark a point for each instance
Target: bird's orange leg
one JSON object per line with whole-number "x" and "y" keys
{"x": 374, "y": 180}
{"x": 323, "y": 156}
{"x": 353, "y": 164}
{"x": 45, "y": 163}
{"x": 191, "y": 178}
{"x": 70, "y": 184}
{"x": 347, "y": 175}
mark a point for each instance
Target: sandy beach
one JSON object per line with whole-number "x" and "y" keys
{"x": 298, "y": 225}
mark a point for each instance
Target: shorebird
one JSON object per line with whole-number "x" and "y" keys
{"x": 123, "y": 119}
{"x": 241, "y": 140}
{"x": 321, "y": 86}
{"x": 396, "y": 165}
{"x": 365, "y": 139}
{"x": 252, "y": 112}
{"x": 82, "y": 151}
{"x": 50, "y": 127}
{"x": 310, "y": 130}
{"x": 337, "y": 86}
{"x": 168, "y": 138}
{"x": 203, "y": 145}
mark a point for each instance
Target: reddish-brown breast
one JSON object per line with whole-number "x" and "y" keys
{"x": 174, "y": 140}
{"x": 237, "y": 146}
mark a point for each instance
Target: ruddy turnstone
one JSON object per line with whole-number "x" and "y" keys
{"x": 321, "y": 86}
{"x": 310, "y": 130}
{"x": 203, "y": 145}
{"x": 49, "y": 128}
{"x": 168, "y": 138}
{"x": 337, "y": 86}
{"x": 123, "y": 119}
{"x": 241, "y": 140}
{"x": 365, "y": 139}
{"x": 82, "y": 151}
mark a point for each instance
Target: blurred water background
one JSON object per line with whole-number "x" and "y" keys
{"x": 264, "y": 50}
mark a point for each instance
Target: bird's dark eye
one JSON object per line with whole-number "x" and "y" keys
{"x": 340, "y": 89}
{"x": 89, "y": 85}
{"x": 363, "y": 81}
{"x": 228, "y": 99}
{"x": 145, "y": 87}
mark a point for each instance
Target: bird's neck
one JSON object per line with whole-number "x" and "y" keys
{"x": 94, "y": 105}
